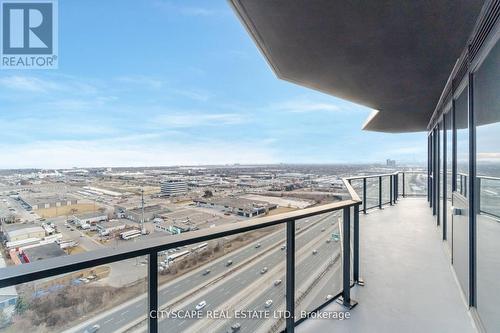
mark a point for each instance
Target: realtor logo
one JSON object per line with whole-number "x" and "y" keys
{"x": 29, "y": 34}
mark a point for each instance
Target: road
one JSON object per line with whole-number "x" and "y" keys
{"x": 308, "y": 264}
{"x": 243, "y": 279}
{"x": 115, "y": 319}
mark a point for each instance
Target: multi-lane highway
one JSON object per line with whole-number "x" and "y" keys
{"x": 308, "y": 265}
{"x": 116, "y": 319}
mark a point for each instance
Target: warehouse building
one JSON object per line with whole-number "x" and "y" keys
{"x": 238, "y": 206}
{"x": 41, "y": 202}
{"x": 18, "y": 232}
{"x": 89, "y": 218}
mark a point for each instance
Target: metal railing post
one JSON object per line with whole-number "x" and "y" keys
{"x": 396, "y": 187}
{"x": 391, "y": 190}
{"x": 478, "y": 195}
{"x": 153, "y": 292}
{"x": 364, "y": 195}
{"x": 345, "y": 299}
{"x": 404, "y": 187}
{"x": 355, "y": 265}
{"x": 290, "y": 276}
{"x": 380, "y": 192}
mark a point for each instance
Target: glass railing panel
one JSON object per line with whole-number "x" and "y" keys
{"x": 372, "y": 192}
{"x": 233, "y": 283}
{"x": 386, "y": 189}
{"x": 318, "y": 263}
{"x": 107, "y": 298}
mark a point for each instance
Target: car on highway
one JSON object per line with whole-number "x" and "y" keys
{"x": 236, "y": 327}
{"x": 268, "y": 303}
{"x": 328, "y": 240}
{"x": 283, "y": 247}
{"x": 322, "y": 229}
{"x": 263, "y": 270}
{"x": 200, "y": 305}
{"x": 92, "y": 329}
{"x": 328, "y": 297}
{"x": 277, "y": 282}
{"x": 257, "y": 245}
{"x": 229, "y": 263}
{"x": 315, "y": 251}
{"x": 206, "y": 272}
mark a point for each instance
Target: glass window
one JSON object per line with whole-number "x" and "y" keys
{"x": 487, "y": 118}
{"x": 460, "y": 219}
{"x": 462, "y": 124}
{"x": 441, "y": 170}
{"x": 449, "y": 170}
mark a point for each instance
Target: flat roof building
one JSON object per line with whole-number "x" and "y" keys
{"x": 171, "y": 188}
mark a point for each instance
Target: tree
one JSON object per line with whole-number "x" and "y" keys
{"x": 208, "y": 194}
{"x": 21, "y": 306}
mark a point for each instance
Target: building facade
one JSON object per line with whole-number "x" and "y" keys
{"x": 173, "y": 188}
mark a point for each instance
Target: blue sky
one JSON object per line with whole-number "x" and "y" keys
{"x": 148, "y": 83}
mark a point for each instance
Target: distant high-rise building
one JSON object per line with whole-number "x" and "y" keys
{"x": 391, "y": 163}
{"x": 172, "y": 188}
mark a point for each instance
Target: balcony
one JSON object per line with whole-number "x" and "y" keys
{"x": 409, "y": 281}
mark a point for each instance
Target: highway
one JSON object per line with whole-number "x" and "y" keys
{"x": 113, "y": 320}
{"x": 243, "y": 280}
{"x": 307, "y": 264}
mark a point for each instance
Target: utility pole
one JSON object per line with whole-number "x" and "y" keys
{"x": 142, "y": 219}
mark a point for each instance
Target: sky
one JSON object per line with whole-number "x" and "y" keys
{"x": 153, "y": 83}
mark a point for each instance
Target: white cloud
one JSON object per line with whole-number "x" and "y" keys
{"x": 304, "y": 106}
{"x": 185, "y": 10}
{"x": 195, "y": 119}
{"x": 29, "y": 84}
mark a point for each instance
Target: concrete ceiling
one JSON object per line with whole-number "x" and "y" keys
{"x": 393, "y": 56}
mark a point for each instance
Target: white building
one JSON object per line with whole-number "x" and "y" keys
{"x": 172, "y": 188}
{"x": 89, "y": 218}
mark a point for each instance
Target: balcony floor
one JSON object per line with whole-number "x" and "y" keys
{"x": 410, "y": 286}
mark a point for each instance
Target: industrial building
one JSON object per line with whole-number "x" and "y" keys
{"x": 17, "y": 232}
{"x": 135, "y": 214}
{"x": 89, "y": 218}
{"x": 237, "y": 206}
{"x": 41, "y": 252}
{"x": 171, "y": 188}
{"x": 40, "y": 202}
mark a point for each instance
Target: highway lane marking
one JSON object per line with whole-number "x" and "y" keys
{"x": 139, "y": 306}
{"x": 121, "y": 314}
{"x": 107, "y": 321}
